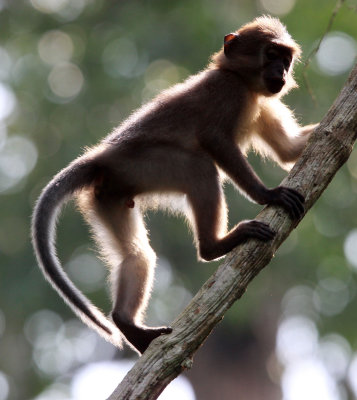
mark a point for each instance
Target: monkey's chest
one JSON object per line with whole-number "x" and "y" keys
{"x": 246, "y": 124}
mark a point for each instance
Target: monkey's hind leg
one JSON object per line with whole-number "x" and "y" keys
{"x": 132, "y": 285}
{"x": 122, "y": 238}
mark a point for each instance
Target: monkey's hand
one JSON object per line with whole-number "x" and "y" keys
{"x": 291, "y": 200}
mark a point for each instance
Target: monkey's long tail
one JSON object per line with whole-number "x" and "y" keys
{"x": 62, "y": 187}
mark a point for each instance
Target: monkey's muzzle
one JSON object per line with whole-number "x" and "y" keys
{"x": 275, "y": 85}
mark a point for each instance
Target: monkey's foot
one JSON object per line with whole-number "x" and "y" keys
{"x": 254, "y": 229}
{"x": 139, "y": 336}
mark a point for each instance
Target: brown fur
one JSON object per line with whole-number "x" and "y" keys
{"x": 174, "y": 148}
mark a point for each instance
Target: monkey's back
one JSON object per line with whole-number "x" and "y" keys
{"x": 181, "y": 114}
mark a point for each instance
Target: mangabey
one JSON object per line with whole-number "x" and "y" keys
{"x": 177, "y": 144}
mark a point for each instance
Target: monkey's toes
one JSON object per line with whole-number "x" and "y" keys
{"x": 140, "y": 336}
{"x": 165, "y": 330}
{"x": 257, "y": 230}
{"x": 147, "y": 335}
{"x": 264, "y": 233}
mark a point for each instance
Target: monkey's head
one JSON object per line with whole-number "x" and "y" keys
{"x": 262, "y": 52}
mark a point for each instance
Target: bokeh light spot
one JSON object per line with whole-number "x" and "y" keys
{"x": 49, "y": 6}
{"x": 278, "y": 7}
{"x": 352, "y": 375}
{"x": 66, "y": 80}
{"x": 308, "y": 379}
{"x": 331, "y": 296}
{"x": 40, "y": 324}
{"x": 337, "y": 53}
{"x": 335, "y": 352}
{"x": 299, "y": 331}
{"x": 55, "y": 47}
{"x": 350, "y": 247}
{"x": 86, "y": 270}
{"x": 98, "y": 380}
{"x": 5, "y": 62}
{"x": 7, "y": 101}
{"x": 17, "y": 159}
{"x": 4, "y": 386}
{"x": 120, "y": 57}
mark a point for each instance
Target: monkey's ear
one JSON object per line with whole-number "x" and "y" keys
{"x": 228, "y": 41}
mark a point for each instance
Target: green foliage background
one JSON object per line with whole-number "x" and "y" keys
{"x": 183, "y": 33}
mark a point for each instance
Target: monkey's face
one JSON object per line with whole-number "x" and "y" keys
{"x": 276, "y": 65}
{"x": 265, "y": 63}
{"x": 262, "y": 54}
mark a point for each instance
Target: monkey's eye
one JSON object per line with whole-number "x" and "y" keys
{"x": 272, "y": 55}
{"x": 286, "y": 62}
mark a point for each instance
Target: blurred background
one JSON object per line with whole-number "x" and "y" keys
{"x": 70, "y": 71}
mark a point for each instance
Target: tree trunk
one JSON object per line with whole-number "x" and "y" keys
{"x": 328, "y": 149}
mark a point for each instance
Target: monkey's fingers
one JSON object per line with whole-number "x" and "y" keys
{"x": 293, "y": 202}
{"x": 293, "y": 208}
{"x": 295, "y": 193}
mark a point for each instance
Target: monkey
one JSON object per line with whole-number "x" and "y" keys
{"x": 185, "y": 142}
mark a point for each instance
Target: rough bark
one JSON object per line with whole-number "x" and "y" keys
{"x": 327, "y": 150}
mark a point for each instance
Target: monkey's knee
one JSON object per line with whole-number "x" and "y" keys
{"x": 207, "y": 251}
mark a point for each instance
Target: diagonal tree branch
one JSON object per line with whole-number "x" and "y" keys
{"x": 328, "y": 149}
